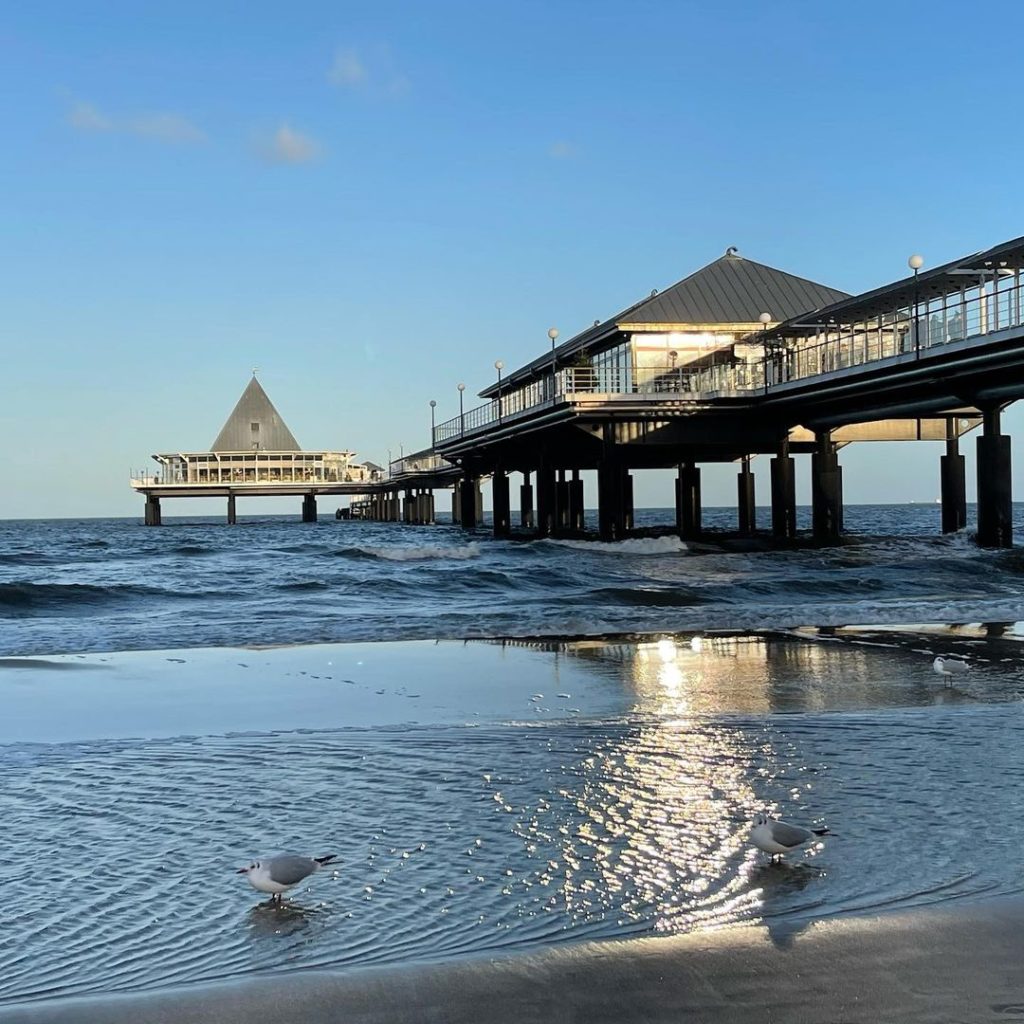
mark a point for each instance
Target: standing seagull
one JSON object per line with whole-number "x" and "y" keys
{"x": 278, "y": 874}
{"x": 950, "y": 667}
{"x": 779, "y": 837}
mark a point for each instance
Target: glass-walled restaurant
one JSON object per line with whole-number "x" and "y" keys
{"x": 259, "y": 467}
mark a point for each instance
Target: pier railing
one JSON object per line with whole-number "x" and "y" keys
{"x": 412, "y": 464}
{"x": 985, "y": 303}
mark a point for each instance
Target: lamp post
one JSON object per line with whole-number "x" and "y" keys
{"x": 553, "y": 335}
{"x": 499, "y": 366}
{"x": 766, "y": 319}
{"x": 916, "y": 262}
{"x": 433, "y": 406}
{"x": 462, "y": 414}
{"x": 389, "y": 463}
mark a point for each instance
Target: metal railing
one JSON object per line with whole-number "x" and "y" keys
{"x": 984, "y": 304}
{"x": 411, "y": 464}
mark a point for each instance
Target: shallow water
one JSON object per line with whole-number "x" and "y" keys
{"x": 114, "y": 584}
{"x": 505, "y": 816}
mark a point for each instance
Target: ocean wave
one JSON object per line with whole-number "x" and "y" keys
{"x": 458, "y": 552}
{"x": 25, "y": 598}
{"x": 631, "y": 546}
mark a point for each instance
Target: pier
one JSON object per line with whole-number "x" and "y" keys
{"x": 740, "y": 360}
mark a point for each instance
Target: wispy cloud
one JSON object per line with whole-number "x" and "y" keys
{"x": 86, "y": 118}
{"x": 287, "y": 146}
{"x": 347, "y": 70}
{"x": 562, "y": 150}
{"x": 165, "y": 128}
{"x": 171, "y": 128}
{"x": 376, "y": 73}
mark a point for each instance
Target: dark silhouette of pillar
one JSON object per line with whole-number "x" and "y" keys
{"x": 826, "y": 489}
{"x": 995, "y": 503}
{"x": 501, "y": 504}
{"x": 152, "y": 516}
{"x": 688, "y": 523}
{"x": 546, "y": 491}
{"x": 611, "y": 506}
{"x": 309, "y": 508}
{"x": 561, "y": 503}
{"x": 953, "y": 476}
{"x": 526, "y": 519}
{"x": 232, "y": 518}
{"x": 783, "y": 474}
{"x": 746, "y": 509}
{"x": 576, "y": 512}
{"x": 457, "y": 502}
{"x": 468, "y": 502}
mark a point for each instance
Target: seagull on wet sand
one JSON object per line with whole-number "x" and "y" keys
{"x": 950, "y": 667}
{"x": 779, "y": 837}
{"x": 278, "y": 874}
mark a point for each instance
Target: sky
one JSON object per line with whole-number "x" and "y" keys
{"x": 373, "y": 202}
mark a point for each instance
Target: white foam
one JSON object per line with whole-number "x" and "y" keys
{"x": 396, "y": 554}
{"x": 631, "y": 546}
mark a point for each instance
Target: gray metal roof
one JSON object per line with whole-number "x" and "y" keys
{"x": 731, "y": 290}
{"x": 254, "y": 423}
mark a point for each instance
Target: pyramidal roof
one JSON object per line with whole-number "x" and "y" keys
{"x": 732, "y": 290}
{"x": 254, "y": 423}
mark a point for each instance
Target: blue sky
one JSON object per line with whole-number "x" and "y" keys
{"x": 374, "y": 202}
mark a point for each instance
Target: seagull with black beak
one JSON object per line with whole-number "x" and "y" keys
{"x": 950, "y": 667}
{"x": 779, "y": 837}
{"x": 277, "y": 875}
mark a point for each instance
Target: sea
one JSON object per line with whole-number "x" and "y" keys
{"x": 507, "y": 744}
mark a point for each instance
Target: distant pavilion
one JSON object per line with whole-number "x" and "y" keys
{"x": 255, "y": 454}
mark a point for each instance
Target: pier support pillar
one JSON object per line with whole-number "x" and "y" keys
{"x": 232, "y": 518}
{"x": 611, "y": 477}
{"x": 783, "y": 473}
{"x": 688, "y": 522}
{"x": 526, "y": 520}
{"x": 826, "y": 489}
{"x": 457, "y": 502}
{"x": 407, "y": 508}
{"x": 501, "y": 504}
{"x": 546, "y": 490}
{"x": 995, "y": 504}
{"x": 745, "y": 506}
{"x": 309, "y": 508}
{"x": 576, "y": 522}
{"x": 468, "y": 490}
{"x": 953, "y": 476}
{"x": 561, "y": 503}
{"x": 152, "y": 515}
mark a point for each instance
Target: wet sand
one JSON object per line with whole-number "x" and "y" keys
{"x": 938, "y": 964}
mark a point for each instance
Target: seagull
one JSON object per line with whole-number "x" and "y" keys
{"x": 779, "y": 837}
{"x": 950, "y": 667}
{"x": 278, "y": 874}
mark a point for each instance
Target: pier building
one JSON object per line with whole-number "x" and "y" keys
{"x": 255, "y": 454}
{"x": 739, "y": 360}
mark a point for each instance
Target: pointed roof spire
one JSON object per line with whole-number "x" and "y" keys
{"x": 254, "y": 423}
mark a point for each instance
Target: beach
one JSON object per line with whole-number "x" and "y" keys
{"x": 551, "y": 805}
{"x": 922, "y": 966}
{"x": 557, "y": 814}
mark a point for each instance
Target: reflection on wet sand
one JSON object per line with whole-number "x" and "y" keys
{"x": 811, "y": 670}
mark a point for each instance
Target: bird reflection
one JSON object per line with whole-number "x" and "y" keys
{"x": 781, "y": 879}
{"x": 267, "y": 920}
